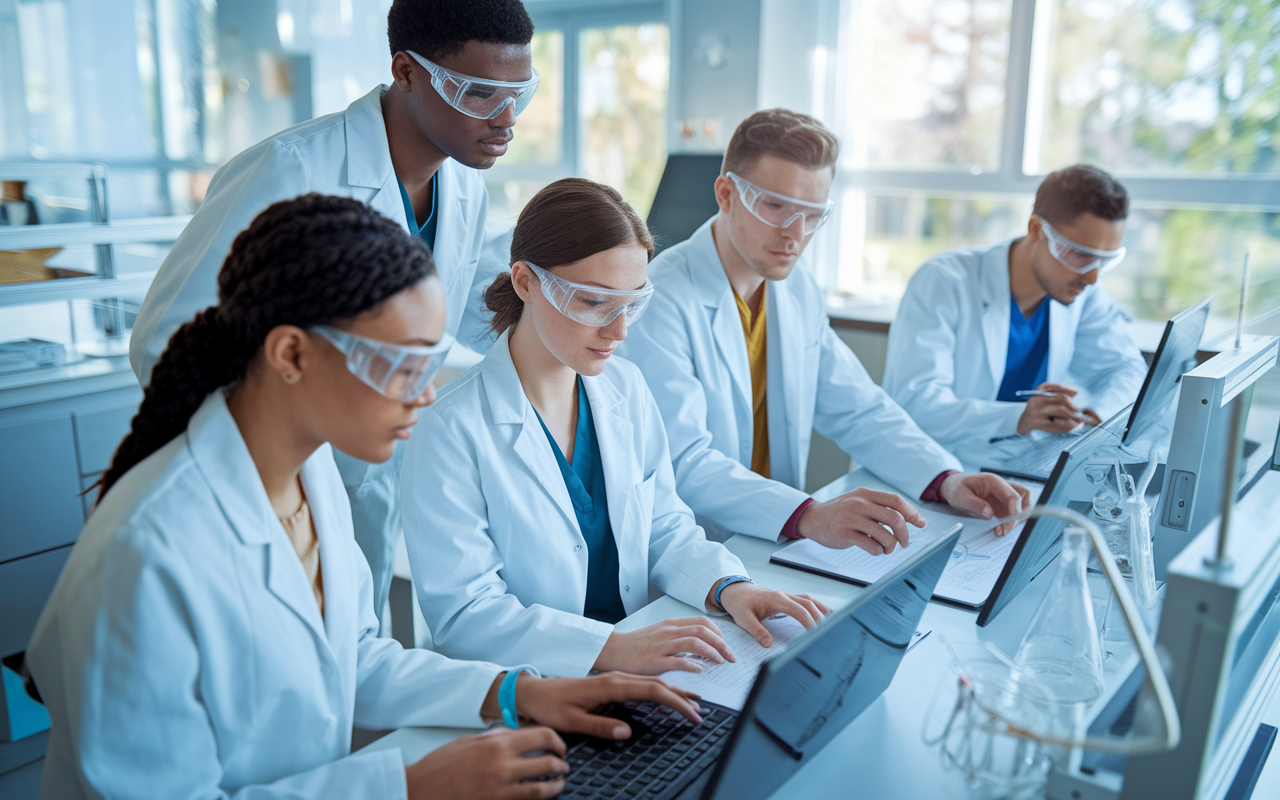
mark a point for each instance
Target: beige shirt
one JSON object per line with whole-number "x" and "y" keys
{"x": 302, "y": 533}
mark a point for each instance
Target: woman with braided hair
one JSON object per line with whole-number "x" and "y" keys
{"x": 213, "y": 632}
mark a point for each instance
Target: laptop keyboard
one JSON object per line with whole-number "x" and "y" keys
{"x": 1036, "y": 461}
{"x": 664, "y": 755}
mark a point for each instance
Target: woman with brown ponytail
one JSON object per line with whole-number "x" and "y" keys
{"x": 539, "y": 501}
{"x": 213, "y": 632}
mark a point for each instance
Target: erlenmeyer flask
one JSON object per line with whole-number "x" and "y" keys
{"x": 1060, "y": 649}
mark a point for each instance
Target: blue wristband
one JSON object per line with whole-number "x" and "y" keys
{"x": 723, "y": 583}
{"x": 507, "y": 697}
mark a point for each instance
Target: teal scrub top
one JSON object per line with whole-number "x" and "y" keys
{"x": 1026, "y": 364}
{"x": 585, "y": 481}
{"x": 427, "y": 232}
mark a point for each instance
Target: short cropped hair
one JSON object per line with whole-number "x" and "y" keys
{"x": 1080, "y": 189}
{"x": 436, "y": 29}
{"x": 789, "y": 135}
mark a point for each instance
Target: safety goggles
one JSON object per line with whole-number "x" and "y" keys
{"x": 779, "y": 210}
{"x": 1077, "y": 257}
{"x": 592, "y": 305}
{"x": 479, "y": 97}
{"x": 399, "y": 372}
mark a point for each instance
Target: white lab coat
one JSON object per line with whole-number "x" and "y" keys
{"x": 183, "y": 654}
{"x": 342, "y": 154}
{"x": 498, "y": 559}
{"x": 948, "y": 344}
{"x": 691, "y": 348}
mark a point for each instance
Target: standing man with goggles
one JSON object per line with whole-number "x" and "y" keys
{"x": 985, "y": 340}
{"x": 462, "y": 71}
{"x": 738, "y": 352}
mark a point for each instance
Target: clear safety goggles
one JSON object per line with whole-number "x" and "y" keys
{"x": 1077, "y": 257}
{"x": 592, "y": 305}
{"x": 779, "y": 210}
{"x": 399, "y": 372}
{"x": 479, "y": 97}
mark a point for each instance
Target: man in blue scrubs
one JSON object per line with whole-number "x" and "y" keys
{"x": 461, "y": 71}
{"x": 987, "y": 342}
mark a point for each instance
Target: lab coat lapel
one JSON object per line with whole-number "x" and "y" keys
{"x": 786, "y": 354}
{"x": 995, "y": 290}
{"x": 1062, "y": 326}
{"x": 614, "y": 434}
{"x": 452, "y": 234}
{"x": 509, "y": 406}
{"x": 369, "y": 156}
{"x": 341, "y": 603}
{"x": 722, "y": 309}
{"x": 223, "y": 459}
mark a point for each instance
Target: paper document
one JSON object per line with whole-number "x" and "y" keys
{"x": 970, "y": 575}
{"x": 729, "y": 683}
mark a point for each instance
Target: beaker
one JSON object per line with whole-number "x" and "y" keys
{"x": 1060, "y": 648}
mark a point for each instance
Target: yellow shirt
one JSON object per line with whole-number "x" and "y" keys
{"x": 754, "y": 331}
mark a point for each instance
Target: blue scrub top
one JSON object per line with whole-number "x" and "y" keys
{"x": 1026, "y": 364}
{"x": 428, "y": 229}
{"x": 585, "y": 481}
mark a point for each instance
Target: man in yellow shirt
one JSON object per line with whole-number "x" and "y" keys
{"x": 738, "y": 351}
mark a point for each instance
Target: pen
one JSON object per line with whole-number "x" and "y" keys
{"x": 1034, "y": 393}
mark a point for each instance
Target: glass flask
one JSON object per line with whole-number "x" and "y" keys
{"x": 1060, "y": 649}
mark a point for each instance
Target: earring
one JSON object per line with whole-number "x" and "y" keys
{"x": 291, "y": 377}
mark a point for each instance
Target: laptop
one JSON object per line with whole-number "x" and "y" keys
{"x": 801, "y": 699}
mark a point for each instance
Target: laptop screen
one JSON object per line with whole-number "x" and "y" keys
{"x": 804, "y": 697}
{"x": 1176, "y": 355}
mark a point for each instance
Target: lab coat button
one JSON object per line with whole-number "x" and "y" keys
{"x": 577, "y": 548}
{"x": 626, "y": 588}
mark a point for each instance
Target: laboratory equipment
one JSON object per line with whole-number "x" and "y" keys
{"x": 1220, "y": 643}
{"x": 1193, "y": 480}
{"x": 1060, "y": 648}
{"x": 1006, "y": 715}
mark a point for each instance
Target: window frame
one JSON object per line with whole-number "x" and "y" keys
{"x": 570, "y": 18}
{"x": 1257, "y": 192}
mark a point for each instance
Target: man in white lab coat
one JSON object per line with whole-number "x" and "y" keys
{"x": 986, "y": 340}
{"x": 738, "y": 351}
{"x": 462, "y": 70}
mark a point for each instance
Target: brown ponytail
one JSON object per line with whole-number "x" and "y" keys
{"x": 567, "y": 221}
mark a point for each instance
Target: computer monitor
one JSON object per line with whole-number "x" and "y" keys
{"x": 685, "y": 198}
{"x": 1041, "y": 537}
{"x": 806, "y": 695}
{"x": 1175, "y": 355}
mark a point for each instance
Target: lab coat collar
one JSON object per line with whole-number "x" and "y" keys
{"x": 220, "y": 453}
{"x": 713, "y": 288}
{"x": 368, "y": 152}
{"x": 995, "y": 292}
{"x": 509, "y": 406}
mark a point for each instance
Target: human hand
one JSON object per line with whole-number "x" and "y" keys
{"x": 657, "y": 648}
{"x": 750, "y": 604}
{"x": 503, "y": 764}
{"x": 568, "y": 704}
{"x": 986, "y": 495}
{"x": 874, "y": 521}
{"x": 1091, "y": 418}
{"x": 1055, "y": 414}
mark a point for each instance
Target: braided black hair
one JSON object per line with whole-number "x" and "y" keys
{"x": 308, "y": 261}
